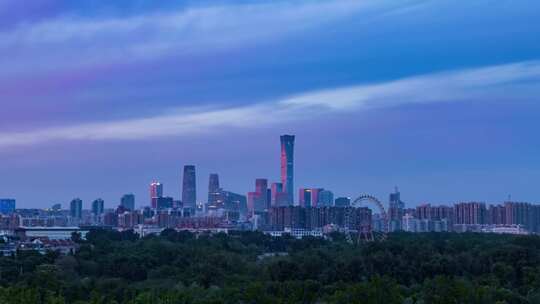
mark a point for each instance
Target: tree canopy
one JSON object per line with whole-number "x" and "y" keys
{"x": 250, "y": 267}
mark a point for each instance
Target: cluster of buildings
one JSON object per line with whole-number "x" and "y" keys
{"x": 271, "y": 207}
{"x": 508, "y": 217}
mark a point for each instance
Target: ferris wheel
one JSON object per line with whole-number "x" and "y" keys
{"x": 365, "y": 229}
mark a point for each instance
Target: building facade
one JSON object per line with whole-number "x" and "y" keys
{"x": 287, "y": 166}
{"x": 259, "y": 200}
{"x": 326, "y": 198}
{"x": 297, "y": 217}
{"x": 214, "y": 192}
{"x": 7, "y": 205}
{"x": 189, "y": 188}
{"x": 470, "y": 213}
{"x": 98, "y": 206}
{"x": 128, "y": 201}
{"x": 342, "y": 202}
{"x": 156, "y": 191}
{"x": 75, "y": 208}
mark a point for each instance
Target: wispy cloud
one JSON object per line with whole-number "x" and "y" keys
{"x": 508, "y": 82}
{"x": 87, "y": 41}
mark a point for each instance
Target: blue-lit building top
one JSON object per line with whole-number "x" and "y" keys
{"x": 7, "y": 205}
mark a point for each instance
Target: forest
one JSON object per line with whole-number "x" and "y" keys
{"x": 251, "y": 267}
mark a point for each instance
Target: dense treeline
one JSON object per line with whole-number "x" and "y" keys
{"x": 177, "y": 267}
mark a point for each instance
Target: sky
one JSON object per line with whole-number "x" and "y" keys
{"x": 440, "y": 98}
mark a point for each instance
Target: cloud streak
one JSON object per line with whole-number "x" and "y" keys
{"x": 80, "y": 42}
{"x": 508, "y": 82}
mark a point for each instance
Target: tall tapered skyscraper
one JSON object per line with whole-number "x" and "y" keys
{"x": 189, "y": 188}
{"x": 214, "y": 192}
{"x": 213, "y": 183}
{"x": 287, "y": 166}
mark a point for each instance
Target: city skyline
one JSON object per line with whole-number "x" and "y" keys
{"x": 437, "y": 97}
{"x": 265, "y": 196}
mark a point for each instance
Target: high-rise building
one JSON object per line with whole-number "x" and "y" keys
{"x": 326, "y": 198}
{"x": 516, "y": 213}
{"x": 7, "y": 205}
{"x": 128, "y": 201}
{"x": 234, "y": 202}
{"x": 278, "y": 197}
{"x": 409, "y": 223}
{"x": 442, "y": 212}
{"x": 426, "y": 211}
{"x": 342, "y": 202}
{"x": 396, "y": 210}
{"x": 228, "y": 201}
{"x": 315, "y": 196}
{"x": 523, "y": 214}
{"x": 261, "y": 185}
{"x": 164, "y": 202}
{"x": 156, "y": 191}
{"x": 396, "y": 206}
{"x": 268, "y": 202}
{"x": 213, "y": 189}
{"x": 221, "y": 200}
{"x": 472, "y": 213}
{"x": 189, "y": 188}
{"x": 98, "y": 206}
{"x": 305, "y": 198}
{"x": 75, "y": 208}
{"x": 259, "y": 200}
{"x": 496, "y": 215}
{"x": 423, "y": 211}
{"x": 287, "y": 166}
{"x": 309, "y": 197}
{"x": 275, "y": 188}
{"x": 297, "y": 217}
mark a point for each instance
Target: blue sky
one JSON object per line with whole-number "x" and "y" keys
{"x": 438, "y": 97}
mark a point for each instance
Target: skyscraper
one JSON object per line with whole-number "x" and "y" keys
{"x": 213, "y": 183}
{"x": 7, "y": 205}
{"x": 98, "y": 206}
{"x": 310, "y": 197}
{"x": 519, "y": 213}
{"x": 156, "y": 191}
{"x": 235, "y": 202}
{"x": 128, "y": 201}
{"x": 75, "y": 208}
{"x": 261, "y": 185}
{"x": 214, "y": 192}
{"x": 304, "y": 198}
{"x": 287, "y": 166}
{"x": 471, "y": 213}
{"x": 189, "y": 188}
{"x": 259, "y": 201}
{"x": 326, "y": 198}
{"x": 315, "y": 196}
{"x": 164, "y": 203}
{"x": 276, "y": 189}
{"x": 342, "y": 202}
{"x": 395, "y": 210}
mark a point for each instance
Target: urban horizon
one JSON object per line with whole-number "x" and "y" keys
{"x": 202, "y": 192}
